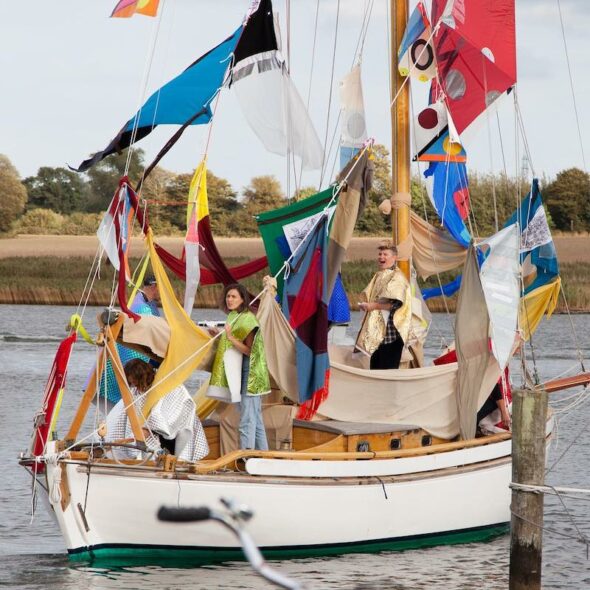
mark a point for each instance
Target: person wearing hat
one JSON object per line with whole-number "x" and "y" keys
{"x": 386, "y": 302}
{"x": 146, "y": 300}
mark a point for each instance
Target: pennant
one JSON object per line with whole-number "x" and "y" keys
{"x": 448, "y": 190}
{"x": 267, "y": 96}
{"x": 537, "y": 250}
{"x": 127, "y": 8}
{"x": 416, "y": 51}
{"x": 352, "y": 114}
{"x": 114, "y": 231}
{"x": 305, "y": 305}
{"x": 197, "y": 208}
{"x": 185, "y": 100}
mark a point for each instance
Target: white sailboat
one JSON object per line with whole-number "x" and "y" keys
{"x": 393, "y": 462}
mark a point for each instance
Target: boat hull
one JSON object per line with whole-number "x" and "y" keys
{"x": 111, "y": 513}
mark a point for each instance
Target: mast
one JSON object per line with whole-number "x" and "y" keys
{"x": 400, "y": 135}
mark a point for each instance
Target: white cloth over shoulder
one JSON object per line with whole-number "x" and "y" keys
{"x": 175, "y": 412}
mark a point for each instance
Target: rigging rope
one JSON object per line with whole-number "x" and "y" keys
{"x": 569, "y": 70}
{"x": 330, "y": 94}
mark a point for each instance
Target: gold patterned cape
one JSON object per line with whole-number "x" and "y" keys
{"x": 386, "y": 284}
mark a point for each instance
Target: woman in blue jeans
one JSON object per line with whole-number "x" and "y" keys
{"x": 243, "y": 334}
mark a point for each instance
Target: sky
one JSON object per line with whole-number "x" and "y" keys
{"x": 72, "y": 77}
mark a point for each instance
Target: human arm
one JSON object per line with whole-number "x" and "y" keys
{"x": 504, "y": 412}
{"x": 382, "y": 305}
{"x": 244, "y": 346}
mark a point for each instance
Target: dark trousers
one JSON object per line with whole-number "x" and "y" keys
{"x": 388, "y": 356}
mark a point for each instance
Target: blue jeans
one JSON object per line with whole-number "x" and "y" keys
{"x": 252, "y": 433}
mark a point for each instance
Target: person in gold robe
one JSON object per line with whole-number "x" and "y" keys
{"x": 387, "y": 303}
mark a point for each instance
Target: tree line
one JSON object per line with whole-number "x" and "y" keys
{"x": 58, "y": 200}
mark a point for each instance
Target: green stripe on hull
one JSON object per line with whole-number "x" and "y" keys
{"x": 122, "y": 555}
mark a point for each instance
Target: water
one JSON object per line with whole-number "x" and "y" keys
{"x": 32, "y": 556}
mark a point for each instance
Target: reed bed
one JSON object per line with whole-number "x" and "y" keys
{"x": 60, "y": 281}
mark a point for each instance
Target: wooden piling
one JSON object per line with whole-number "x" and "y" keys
{"x": 529, "y": 417}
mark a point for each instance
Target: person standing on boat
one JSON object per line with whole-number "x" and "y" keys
{"x": 146, "y": 300}
{"x": 387, "y": 303}
{"x": 242, "y": 334}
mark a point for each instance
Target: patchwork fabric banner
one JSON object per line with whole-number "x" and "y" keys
{"x": 305, "y": 305}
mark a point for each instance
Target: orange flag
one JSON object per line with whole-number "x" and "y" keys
{"x": 127, "y": 8}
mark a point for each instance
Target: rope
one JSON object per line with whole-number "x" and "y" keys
{"x": 330, "y": 92}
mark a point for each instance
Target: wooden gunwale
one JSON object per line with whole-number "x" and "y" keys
{"x": 242, "y": 477}
{"x": 215, "y": 465}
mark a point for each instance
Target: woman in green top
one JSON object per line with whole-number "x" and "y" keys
{"x": 242, "y": 333}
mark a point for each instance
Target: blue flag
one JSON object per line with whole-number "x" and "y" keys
{"x": 450, "y": 197}
{"x": 185, "y": 100}
{"x": 537, "y": 251}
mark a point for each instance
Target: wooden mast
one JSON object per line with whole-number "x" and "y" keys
{"x": 400, "y": 135}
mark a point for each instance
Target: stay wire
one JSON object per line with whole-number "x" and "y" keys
{"x": 571, "y": 80}
{"x": 330, "y": 93}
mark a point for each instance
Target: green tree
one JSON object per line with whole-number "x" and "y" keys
{"x": 58, "y": 189}
{"x": 13, "y": 194}
{"x": 568, "y": 200}
{"x": 263, "y": 193}
{"x": 304, "y": 192}
{"x": 103, "y": 178}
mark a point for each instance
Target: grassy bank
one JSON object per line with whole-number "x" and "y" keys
{"x": 61, "y": 281}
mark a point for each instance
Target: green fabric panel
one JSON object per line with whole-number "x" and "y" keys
{"x": 270, "y": 226}
{"x": 258, "y": 379}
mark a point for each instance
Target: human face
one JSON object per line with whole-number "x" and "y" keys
{"x": 152, "y": 292}
{"x": 386, "y": 259}
{"x": 233, "y": 299}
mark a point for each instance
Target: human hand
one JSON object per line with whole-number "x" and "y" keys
{"x": 213, "y": 331}
{"x": 364, "y": 306}
{"x": 228, "y": 331}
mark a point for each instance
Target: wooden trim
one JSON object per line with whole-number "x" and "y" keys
{"x": 91, "y": 388}
{"x": 565, "y": 382}
{"x": 126, "y": 394}
{"x": 233, "y": 457}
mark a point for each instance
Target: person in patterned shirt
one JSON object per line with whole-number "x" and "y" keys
{"x": 387, "y": 303}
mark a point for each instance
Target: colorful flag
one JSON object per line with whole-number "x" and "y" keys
{"x": 305, "y": 305}
{"x": 416, "y": 51}
{"x": 185, "y": 100}
{"x": 127, "y": 8}
{"x": 284, "y": 228}
{"x": 352, "y": 115}
{"x": 537, "y": 251}
{"x": 448, "y": 190}
{"x": 268, "y": 98}
{"x": 197, "y": 208}
{"x": 475, "y": 51}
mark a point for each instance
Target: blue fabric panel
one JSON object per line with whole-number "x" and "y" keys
{"x": 448, "y": 179}
{"x": 181, "y": 98}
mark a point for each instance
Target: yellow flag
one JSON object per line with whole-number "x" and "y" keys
{"x": 189, "y": 346}
{"x": 535, "y": 304}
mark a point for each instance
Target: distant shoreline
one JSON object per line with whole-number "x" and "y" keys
{"x": 52, "y": 270}
{"x": 570, "y": 248}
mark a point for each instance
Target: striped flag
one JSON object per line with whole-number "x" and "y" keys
{"x": 127, "y": 8}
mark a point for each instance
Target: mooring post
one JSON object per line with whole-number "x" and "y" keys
{"x": 529, "y": 417}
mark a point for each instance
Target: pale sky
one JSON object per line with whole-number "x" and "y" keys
{"x": 72, "y": 76}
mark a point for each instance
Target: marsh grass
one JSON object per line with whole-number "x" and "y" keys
{"x": 60, "y": 281}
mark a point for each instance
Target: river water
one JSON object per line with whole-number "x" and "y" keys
{"x": 32, "y": 555}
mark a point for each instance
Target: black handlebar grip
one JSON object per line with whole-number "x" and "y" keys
{"x": 171, "y": 514}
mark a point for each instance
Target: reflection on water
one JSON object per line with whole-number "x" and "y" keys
{"x": 33, "y": 557}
